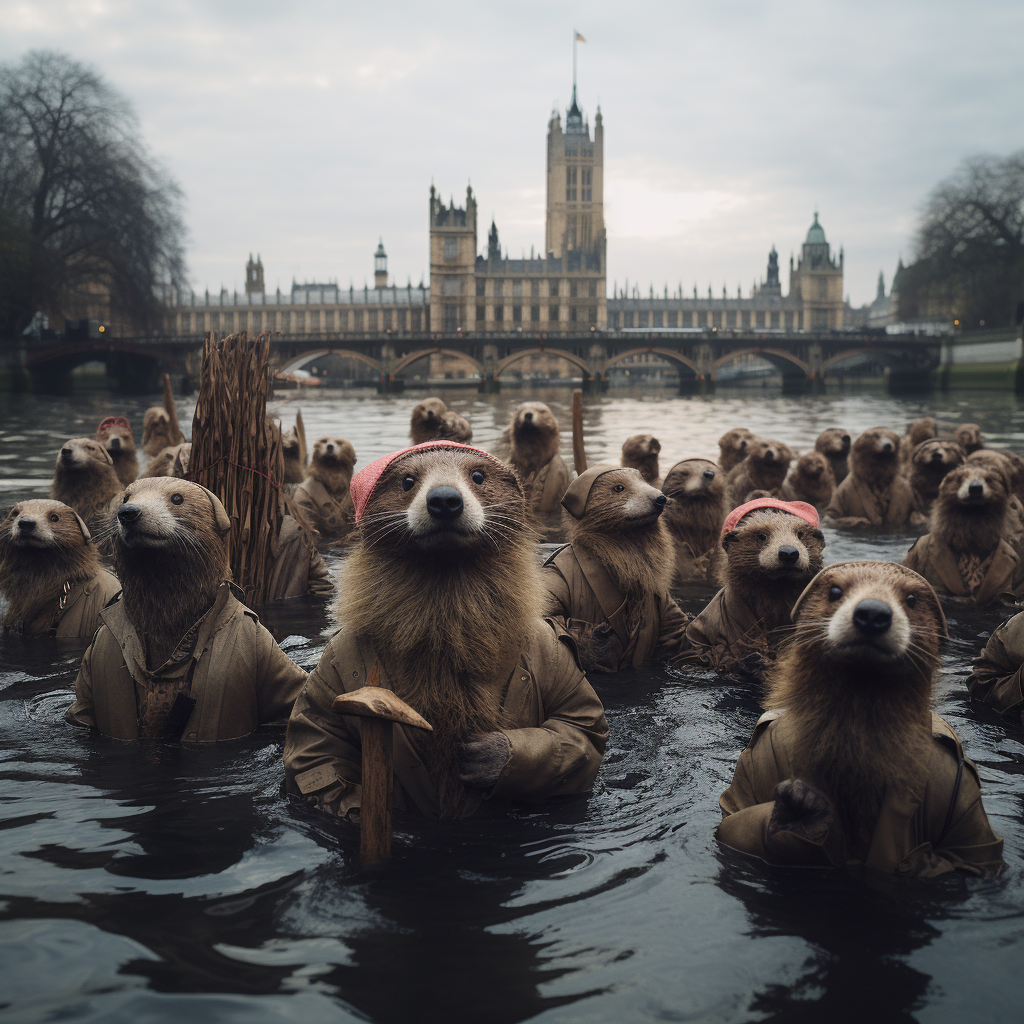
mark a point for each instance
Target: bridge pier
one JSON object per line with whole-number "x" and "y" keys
{"x": 489, "y": 385}
{"x": 596, "y": 385}
{"x": 390, "y": 384}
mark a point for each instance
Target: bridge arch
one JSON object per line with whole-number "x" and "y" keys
{"x": 412, "y": 357}
{"x": 889, "y": 358}
{"x": 782, "y": 360}
{"x": 70, "y": 356}
{"x": 665, "y": 353}
{"x": 345, "y": 353}
{"x": 569, "y": 357}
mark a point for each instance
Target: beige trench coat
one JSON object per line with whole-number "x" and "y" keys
{"x": 996, "y": 678}
{"x": 240, "y": 680}
{"x": 724, "y": 636}
{"x": 557, "y": 738}
{"x": 298, "y": 568}
{"x": 325, "y": 512}
{"x": 78, "y": 611}
{"x": 854, "y": 499}
{"x": 583, "y": 595}
{"x": 937, "y": 563}
{"x": 936, "y": 826}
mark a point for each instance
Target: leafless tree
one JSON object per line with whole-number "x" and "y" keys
{"x": 970, "y": 246}
{"x": 85, "y": 212}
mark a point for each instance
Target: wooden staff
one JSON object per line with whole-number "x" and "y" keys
{"x": 172, "y": 411}
{"x": 379, "y": 709}
{"x": 579, "y": 456}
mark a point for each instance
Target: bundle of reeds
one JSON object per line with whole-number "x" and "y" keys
{"x": 237, "y": 454}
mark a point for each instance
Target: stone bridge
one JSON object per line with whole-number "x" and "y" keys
{"x": 804, "y": 360}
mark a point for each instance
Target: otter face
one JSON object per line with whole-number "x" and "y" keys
{"x": 443, "y": 501}
{"x": 937, "y": 456}
{"x": 878, "y": 444}
{"x": 44, "y": 524}
{"x": 534, "y": 418}
{"x": 454, "y": 427}
{"x": 734, "y": 444}
{"x": 968, "y": 436}
{"x": 620, "y": 501}
{"x": 871, "y": 613}
{"x": 775, "y": 543}
{"x": 812, "y": 465}
{"x": 290, "y": 445}
{"x": 640, "y": 446}
{"x": 921, "y": 430}
{"x": 833, "y": 442}
{"x": 770, "y": 453}
{"x": 693, "y": 479}
{"x": 80, "y": 454}
{"x": 115, "y": 434}
{"x": 334, "y": 452}
{"x": 975, "y": 486}
{"x": 163, "y": 512}
{"x": 1006, "y": 462}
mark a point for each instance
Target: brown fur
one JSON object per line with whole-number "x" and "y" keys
{"x": 971, "y": 526}
{"x": 160, "y": 424}
{"x": 862, "y": 724}
{"x": 447, "y": 622}
{"x": 455, "y": 428}
{"x": 170, "y": 462}
{"x": 633, "y": 544}
{"x": 764, "y": 468}
{"x": 733, "y": 447}
{"x": 533, "y": 438}
{"x": 84, "y": 478}
{"x": 1009, "y": 462}
{"x": 930, "y": 462}
{"x": 834, "y": 444}
{"x": 118, "y": 441}
{"x": 753, "y": 572}
{"x": 697, "y": 503}
{"x": 293, "y": 445}
{"x": 917, "y": 433}
{"x": 811, "y": 480}
{"x": 969, "y": 437}
{"x": 169, "y": 582}
{"x": 874, "y": 458}
{"x": 35, "y": 566}
{"x": 641, "y": 452}
{"x": 332, "y": 464}
{"x": 427, "y": 420}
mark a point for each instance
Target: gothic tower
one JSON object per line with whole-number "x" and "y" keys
{"x": 254, "y": 276}
{"x": 380, "y": 267}
{"x": 452, "y": 261}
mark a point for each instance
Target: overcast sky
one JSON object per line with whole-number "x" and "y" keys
{"x": 306, "y": 131}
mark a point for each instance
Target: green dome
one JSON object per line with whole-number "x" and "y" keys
{"x": 816, "y": 233}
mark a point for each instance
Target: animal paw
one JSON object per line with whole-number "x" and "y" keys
{"x": 802, "y": 810}
{"x": 482, "y": 759}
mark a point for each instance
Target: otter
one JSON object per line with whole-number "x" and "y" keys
{"x": 641, "y": 452}
{"x": 772, "y": 549}
{"x": 764, "y": 468}
{"x": 917, "y": 433}
{"x": 610, "y": 584}
{"x": 969, "y": 437}
{"x": 179, "y": 657}
{"x": 170, "y": 462}
{"x": 443, "y": 594}
{"x": 454, "y": 428}
{"x": 964, "y": 555}
{"x": 995, "y": 679}
{"x": 532, "y": 440}
{"x": 84, "y": 478}
{"x": 1013, "y": 466}
{"x": 50, "y": 571}
{"x": 293, "y": 446}
{"x": 322, "y": 494}
{"x": 160, "y": 424}
{"x": 427, "y": 420}
{"x": 733, "y": 447}
{"x": 850, "y": 765}
{"x": 929, "y": 463}
{"x": 694, "y": 516}
{"x": 873, "y": 493}
{"x": 834, "y": 444}
{"x": 811, "y": 480}
{"x": 115, "y": 434}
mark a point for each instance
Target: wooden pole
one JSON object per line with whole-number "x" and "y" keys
{"x": 378, "y": 709}
{"x": 579, "y": 456}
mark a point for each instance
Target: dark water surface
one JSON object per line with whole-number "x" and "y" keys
{"x": 155, "y": 883}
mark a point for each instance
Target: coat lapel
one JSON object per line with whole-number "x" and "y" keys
{"x": 944, "y": 562}
{"x": 999, "y": 578}
{"x": 608, "y": 595}
{"x": 869, "y": 505}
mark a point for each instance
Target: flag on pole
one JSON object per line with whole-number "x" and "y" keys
{"x": 580, "y": 37}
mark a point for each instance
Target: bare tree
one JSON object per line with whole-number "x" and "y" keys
{"x": 970, "y": 246}
{"x": 86, "y": 215}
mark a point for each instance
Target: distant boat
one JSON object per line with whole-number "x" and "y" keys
{"x": 295, "y": 379}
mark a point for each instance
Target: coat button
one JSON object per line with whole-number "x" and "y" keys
{"x": 523, "y": 678}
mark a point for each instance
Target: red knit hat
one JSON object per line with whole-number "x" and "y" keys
{"x": 365, "y": 480}
{"x": 797, "y": 508}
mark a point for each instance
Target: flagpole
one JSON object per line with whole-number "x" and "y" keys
{"x": 574, "y": 35}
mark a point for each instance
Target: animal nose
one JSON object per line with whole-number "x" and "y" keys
{"x": 936, "y": 456}
{"x": 128, "y": 513}
{"x": 846, "y": 438}
{"x": 528, "y": 416}
{"x": 769, "y": 456}
{"x": 887, "y": 446}
{"x": 872, "y": 617}
{"x": 115, "y": 443}
{"x": 975, "y": 490}
{"x": 330, "y": 447}
{"x": 444, "y": 503}
{"x": 709, "y": 474}
{"x": 26, "y": 525}
{"x": 66, "y": 454}
{"x": 660, "y": 501}
{"x": 788, "y": 555}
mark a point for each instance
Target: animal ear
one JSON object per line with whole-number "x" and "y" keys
{"x": 86, "y": 535}
{"x": 219, "y": 513}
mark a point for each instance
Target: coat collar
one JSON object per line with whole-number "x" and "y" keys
{"x": 608, "y": 595}
{"x": 998, "y": 577}
{"x": 868, "y": 501}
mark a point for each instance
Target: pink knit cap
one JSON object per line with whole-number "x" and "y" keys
{"x": 797, "y": 508}
{"x": 365, "y": 480}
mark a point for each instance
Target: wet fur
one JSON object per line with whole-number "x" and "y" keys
{"x": 32, "y": 578}
{"x": 733, "y": 447}
{"x": 641, "y": 452}
{"x": 448, "y": 625}
{"x": 860, "y": 727}
{"x": 764, "y": 468}
{"x": 926, "y": 474}
{"x": 533, "y": 438}
{"x": 811, "y": 480}
{"x": 170, "y": 462}
{"x": 870, "y": 463}
{"x": 333, "y": 468}
{"x": 976, "y": 529}
{"x": 293, "y": 446}
{"x": 168, "y": 587}
{"x": 88, "y": 487}
{"x": 427, "y": 422}
{"x": 969, "y": 437}
{"x": 160, "y": 424}
{"x": 122, "y": 451}
{"x": 697, "y": 507}
{"x": 834, "y": 444}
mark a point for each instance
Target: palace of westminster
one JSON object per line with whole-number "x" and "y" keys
{"x": 564, "y": 291}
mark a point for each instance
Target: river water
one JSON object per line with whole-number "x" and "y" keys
{"x": 155, "y": 883}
